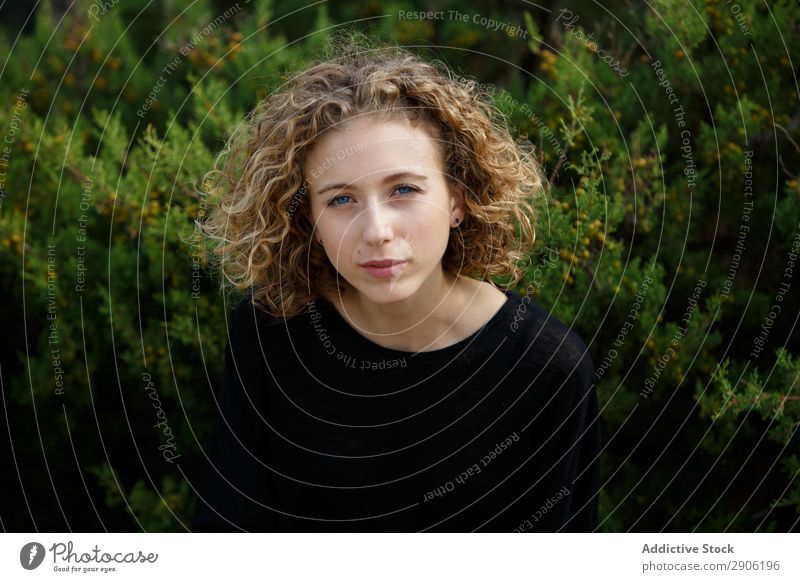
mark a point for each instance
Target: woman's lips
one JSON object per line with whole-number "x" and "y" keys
{"x": 385, "y": 272}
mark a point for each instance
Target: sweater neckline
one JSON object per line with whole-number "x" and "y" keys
{"x": 343, "y": 329}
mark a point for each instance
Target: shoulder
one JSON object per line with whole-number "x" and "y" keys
{"x": 248, "y": 321}
{"x": 255, "y": 340}
{"x": 551, "y": 345}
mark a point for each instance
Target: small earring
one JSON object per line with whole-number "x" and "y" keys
{"x": 457, "y": 220}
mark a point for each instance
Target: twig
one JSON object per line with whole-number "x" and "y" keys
{"x": 794, "y": 143}
{"x": 561, "y": 159}
{"x": 788, "y": 136}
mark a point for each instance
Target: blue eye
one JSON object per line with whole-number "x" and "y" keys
{"x": 400, "y": 187}
{"x": 333, "y": 200}
{"x": 412, "y": 188}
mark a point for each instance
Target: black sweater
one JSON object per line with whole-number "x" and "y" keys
{"x": 321, "y": 429}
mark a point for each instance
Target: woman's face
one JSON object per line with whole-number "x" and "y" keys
{"x": 378, "y": 193}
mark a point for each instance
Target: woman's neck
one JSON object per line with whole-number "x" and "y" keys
{"x": 436, "y": 316}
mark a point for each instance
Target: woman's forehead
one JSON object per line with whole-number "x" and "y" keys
{"x": 370, "y": 150}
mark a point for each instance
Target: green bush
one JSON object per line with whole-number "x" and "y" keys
{"x": 648, "y": 243}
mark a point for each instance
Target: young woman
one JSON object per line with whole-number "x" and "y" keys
{"x": 375, "y": 378}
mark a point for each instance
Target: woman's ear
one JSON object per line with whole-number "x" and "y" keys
{"x": 457, "y": 206}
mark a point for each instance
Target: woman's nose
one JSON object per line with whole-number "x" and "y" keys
{"x": 376, "y": 222}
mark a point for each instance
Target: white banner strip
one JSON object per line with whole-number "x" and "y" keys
{"x": 400, "y": 557}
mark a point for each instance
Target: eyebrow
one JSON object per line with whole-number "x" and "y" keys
{"x": 390, "y": 178}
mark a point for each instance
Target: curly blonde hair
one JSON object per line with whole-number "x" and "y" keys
{"x": 259, "y": 228}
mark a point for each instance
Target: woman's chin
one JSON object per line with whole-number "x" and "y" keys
{"x": 383, "y": 291}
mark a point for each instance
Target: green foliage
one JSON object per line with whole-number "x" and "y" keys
{"x": 774, "y": 399}
{"x": 165, "y": 508}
